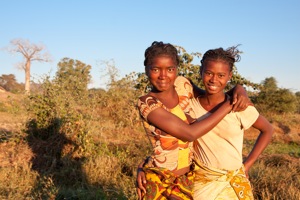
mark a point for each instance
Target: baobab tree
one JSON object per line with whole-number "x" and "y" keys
{"x": 30, "y": 52}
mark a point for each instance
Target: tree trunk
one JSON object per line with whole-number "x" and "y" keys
{"x": 27, "y": 76}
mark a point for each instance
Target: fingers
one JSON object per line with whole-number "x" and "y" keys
{"x": 250, "y": 104}
{"x": 139, "y": 192}
{"x": 246, "y": 173}
{"x": 234, "y": 108}
{"x": 234, "y": 98}
{"x": 246, "y": 169}
{"x": 141, "y": 181}
{"x": 238, "y": 106}
{"x": 144, "y": 181}
{"x": 141, "y": 188}
{"x": 241, "y": 103}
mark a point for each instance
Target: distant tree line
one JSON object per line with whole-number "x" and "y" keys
{"x": 76, "y": 77}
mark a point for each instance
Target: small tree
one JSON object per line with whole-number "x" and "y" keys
{"x": 73, "y": 75}
{"x": 61, "y": 112}
{"x": 272, "y": 98}
{"x": 30, "y": 52}
{"x": 269, "y": 84}
{"x": 9, "y": 83}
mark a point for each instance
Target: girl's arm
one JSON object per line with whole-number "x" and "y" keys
{"x": 240, "y": 99}
{"x": 174, "y": 126}
{"x": 264, "y": 138}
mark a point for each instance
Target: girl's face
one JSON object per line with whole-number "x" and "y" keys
{"x": 215, "y": 75}
{"x": 162, "y": 73}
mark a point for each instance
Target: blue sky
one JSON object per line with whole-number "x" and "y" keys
{"x": 95, "y": 31}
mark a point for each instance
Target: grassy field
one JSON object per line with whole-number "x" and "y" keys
{"x": 90, "y": 151}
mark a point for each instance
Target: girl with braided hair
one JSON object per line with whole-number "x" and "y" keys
{"x": 168, "y": 120}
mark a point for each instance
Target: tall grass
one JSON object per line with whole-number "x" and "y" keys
{"x": 87, "y": 146}
{"x": 276, "y": 177}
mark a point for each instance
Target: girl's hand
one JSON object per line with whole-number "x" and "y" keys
{"x": 240, "y": 99}
{"x": 247, "y": 167}
{"x": 140, "y": 181}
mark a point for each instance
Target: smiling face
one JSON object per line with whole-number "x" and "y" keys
{"x": 162, "y": 73}
{"x": 215, "y": 75}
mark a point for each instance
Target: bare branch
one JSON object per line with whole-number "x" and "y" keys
{"x": 30, "y": 52}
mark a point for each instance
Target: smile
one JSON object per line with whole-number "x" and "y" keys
{"x": 212, "y": 87}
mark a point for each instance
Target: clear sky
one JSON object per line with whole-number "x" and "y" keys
{"x": 94, "y": 31}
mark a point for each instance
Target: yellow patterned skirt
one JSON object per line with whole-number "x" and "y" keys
{"x": 164, "y": 184}
{"x": 215, "y": 184}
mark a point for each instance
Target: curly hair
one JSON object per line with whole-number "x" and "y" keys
{"x": 229, "y": 56}
{"x": 160, "y": 49}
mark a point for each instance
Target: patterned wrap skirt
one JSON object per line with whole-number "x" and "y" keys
{"x": 164, "y": 184}
{"x": 215, "y": 184}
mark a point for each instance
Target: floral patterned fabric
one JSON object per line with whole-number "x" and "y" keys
{"x": 168, "y": 151}
{"x": 163, "y": 184}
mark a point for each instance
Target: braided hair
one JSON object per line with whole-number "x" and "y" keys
{"x": 228, "y": 56}
{"x": 160, "y": 49}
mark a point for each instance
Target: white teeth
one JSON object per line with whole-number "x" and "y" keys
{"x": 211, "y": 87}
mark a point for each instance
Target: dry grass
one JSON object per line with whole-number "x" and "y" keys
{"x": 276, "y": 177}
{"x": 55, "y": 168}
{"x": 16, "y": 177}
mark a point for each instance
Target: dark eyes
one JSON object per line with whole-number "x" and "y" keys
{"x": 170, "y": 69}
{"x": 211, "y": 74}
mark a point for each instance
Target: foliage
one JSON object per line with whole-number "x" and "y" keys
{"x": 59, "y": 116}
{"x": 65, "y": 133}
{"x": 188, "y": 69}
{"x": 298, "y": 101}
{"x": 73, "y": 75}
{"x": 270, "y": 84}
{"x": 9, "y": 83}
{"x": 86, "y": 144}
{"x": 272, "y": 98}
{"x": 121, "y": 99}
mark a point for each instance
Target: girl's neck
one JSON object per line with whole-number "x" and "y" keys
{"x": 211, "y": 102}
{"x": 168, "y": 98}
